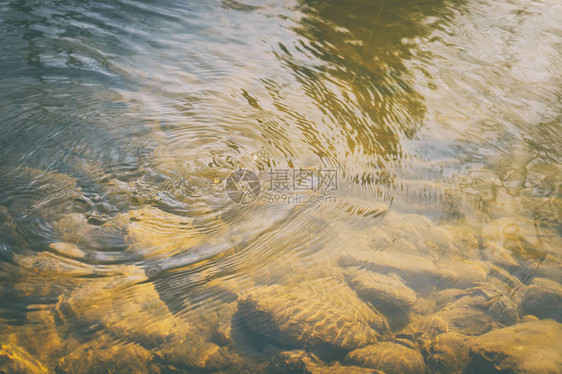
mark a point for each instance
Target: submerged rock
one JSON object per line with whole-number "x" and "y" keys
{"x": 449, "y": 353}
{"x": 7, "y": 224}
{"x": 424, "y": 329}
{"x": 120, "y": 306}
{"x": 386, "y": 293}
{"x": 15, "y": 360}
{"x": 464, "y": 240}
{"x": 522, "y": 237}
{"x": 200, "y": 355}
{"x": 296, "y": 362}
{"x": 543, "y": 299}
{"x": 67, "y": 249}
{"x": 109, "y": 356}
{"x": 8, "y": 229}
{"x": 447, "y": 296}
{"x": 551, "y": 268}
{"x": 48, "y": 194}
{"x": 39, "y": 335}
{"x": 423, "y": 307}
{"x": 50, "y": 265}
{"x": 499, "y": 256}
{"x": 391, "y": 358}
{"x": 530, "y": 347}
{"x": 312, "y": 314}
{"x": 419, "y": 273}
{"x": 152, "y": 232}
{"x": 71, "y": 228}
{"x": 505, "y": 281}
{"x": 126, "y": 306}
{"x": 341, "y": 369}
{"x": 302, "y": 362}
{"x": 423, "y": 236}
{"x": 481, "y": 310}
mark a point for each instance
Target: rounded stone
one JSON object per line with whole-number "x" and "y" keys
{"x": 391, "y": 358}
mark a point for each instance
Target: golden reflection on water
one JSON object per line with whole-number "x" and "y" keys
{"x": 439, "y": 250}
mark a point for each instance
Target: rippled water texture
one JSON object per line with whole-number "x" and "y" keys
{"x": 437, "y": 248}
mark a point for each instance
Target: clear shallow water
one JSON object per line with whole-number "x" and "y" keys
{"x": 121, "y": 122}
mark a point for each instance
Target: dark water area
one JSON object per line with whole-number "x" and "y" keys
{"x": 280, "y": 187}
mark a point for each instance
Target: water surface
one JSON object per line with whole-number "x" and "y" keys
{"x": 121, "y": 121}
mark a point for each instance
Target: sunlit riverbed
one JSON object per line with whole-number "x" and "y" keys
{"x": 397, "y": 209}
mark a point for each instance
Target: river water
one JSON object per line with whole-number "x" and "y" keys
{"x": 408, "y": 155}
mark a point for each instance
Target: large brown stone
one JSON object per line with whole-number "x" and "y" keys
{"x": 153, "y": 232}
{"x": 126, "y": 306}
{"x": 530, "y": 347}
{"x": 447, "y": 296}
{"x": 411, "y": 233}
{"x": 391, "y": 358}
{"x": 449, "y": 353}
{"x": 39, "y": 335}
{"x": 106, "y": 355}
{"x": 424, "y": 329}
{"x": 301, "y": 362}
{"x": 543, "y": 299}
{"x": 312, "y": 314}
{"x": 484, "y": 308}
{"x": 386, "y": 293}
{"x": 419, "y": 273}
